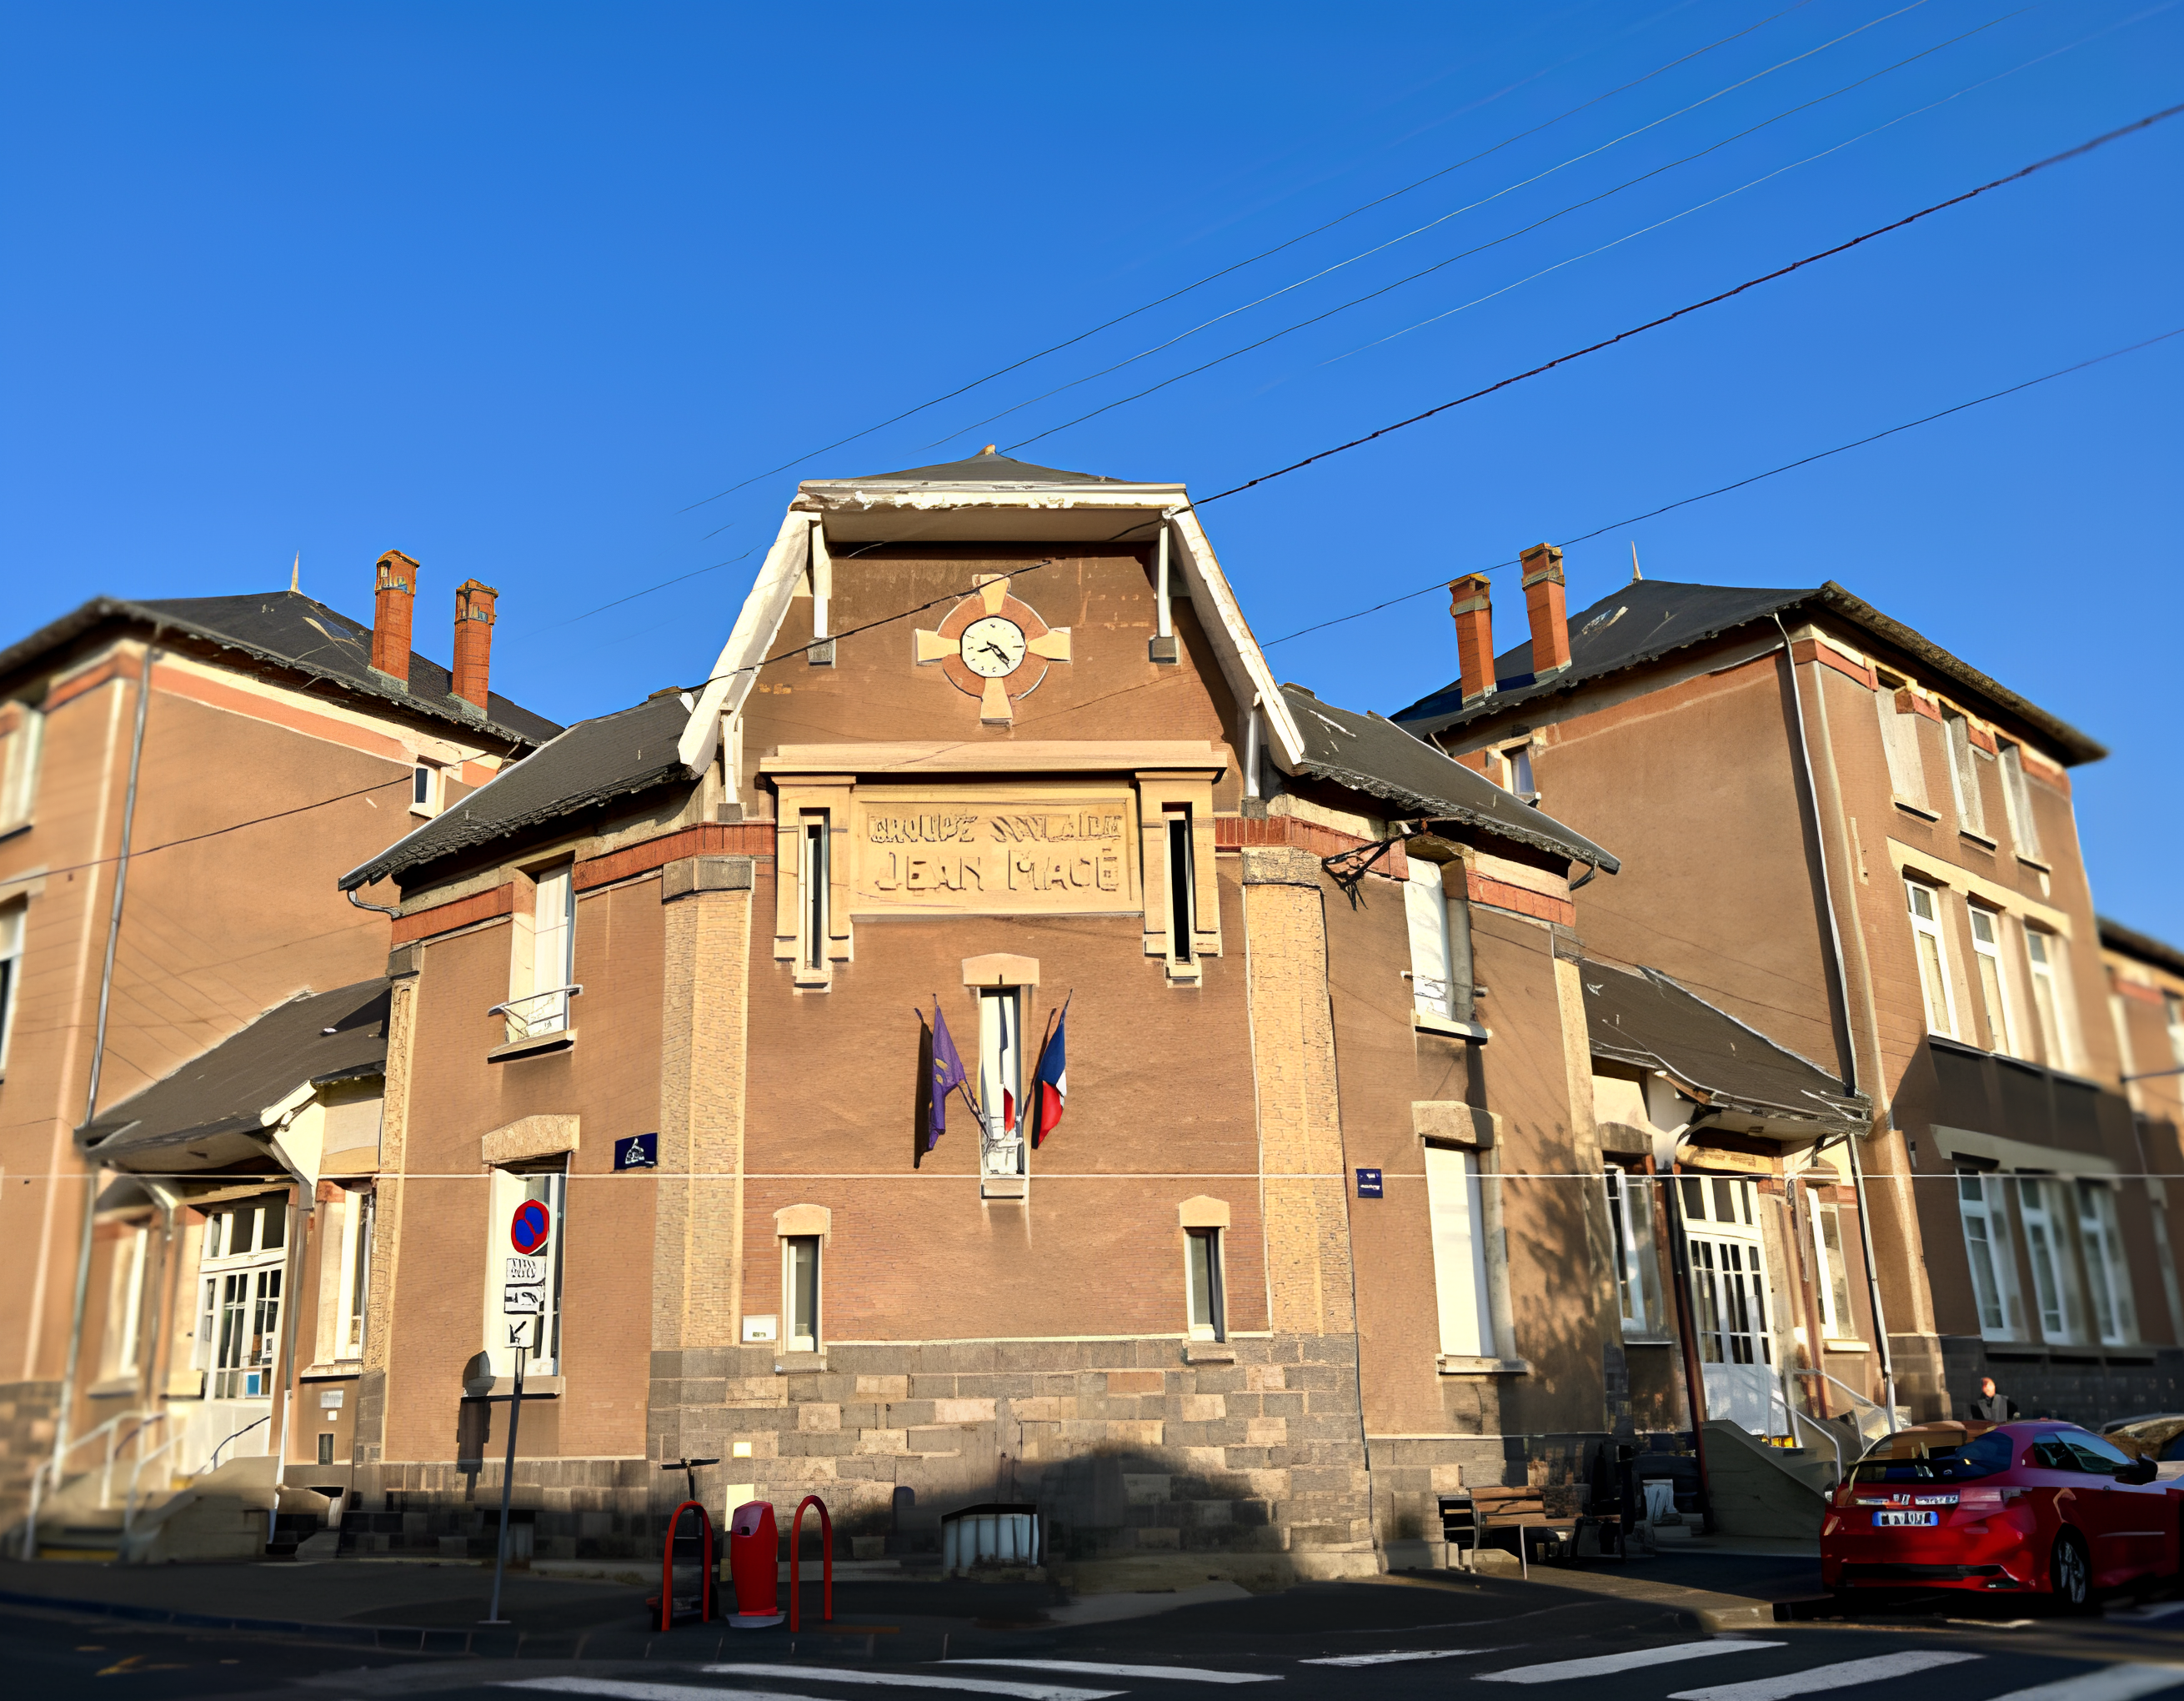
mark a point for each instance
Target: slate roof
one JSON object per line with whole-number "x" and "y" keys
{"x": 222, "y": 1091}
{"x": 294, "y": 631}
{"x": 594, "y": 762}
{"x": 1643, "y": 1018}
{"x": 1373, "y": 755}
{"x": 2129, "y": 942}
{"x": 979, "y": 468}
{"x": 1642, "y": 621}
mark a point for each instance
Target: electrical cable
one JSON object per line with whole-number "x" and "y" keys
{"x": 1212, "y": 276}
{"x": 1510, "y": 189}
{"x": 233, "y": 827}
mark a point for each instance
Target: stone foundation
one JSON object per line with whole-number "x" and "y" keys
{"x": 28, "y": 1412}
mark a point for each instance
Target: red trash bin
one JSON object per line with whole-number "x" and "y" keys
{"x": 754, "y": 1565}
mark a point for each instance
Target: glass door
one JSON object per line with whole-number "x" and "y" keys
{"x": 1731, "y": 1315}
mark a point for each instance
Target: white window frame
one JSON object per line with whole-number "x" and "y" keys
{"x": 12, "y": 917}
{"x": 2048, "y": 1252}
{"x": 1831, "y": 1262}
{"x": 2041, "y": 952}
{"x": 1993, "y": 979}
{"x": 124, "y": 1303}
{"x": 1464, "y": 1290}
{"x": 814, "y": 859}
{"x": 243, "y": 1291}
{"x": 426, "y": 793}
{"x": 1205, "y": 1285}
{"x": 1899, "y": 742}
{"x": 1002, "y": 1148}
{"x": 509, "y": 1188}
{"x": 1425, "y": 910}
{"x": 1984, "y": 1213}
{"x": 2017, "y": 801}
{"x": 1925, "y": 933}
{"x": 803, "y": 1255}
{"x": 352, "y": 1275}
{"x": 2172, "y": 1009}
{"x": 1963, "y": 772}
{"x": 1179, "y": 846}
{"x": 2100, "y": 1233}
{"x": 553, "y": 949}
{"x": 1514, "y": 766}
{"x": 1637, "y": 1267}
{"x": 18, "y": 769}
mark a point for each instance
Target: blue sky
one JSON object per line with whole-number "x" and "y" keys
{"x": 511, "y": 287}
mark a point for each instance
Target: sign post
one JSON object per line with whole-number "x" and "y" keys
{"x": 507, "y": 1484}
{"x": 523, "y": 1307}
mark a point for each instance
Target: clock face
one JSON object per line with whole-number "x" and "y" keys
{"x": 992, "y": 646}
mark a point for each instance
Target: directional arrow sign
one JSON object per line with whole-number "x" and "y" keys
{"x": 523, "y": 1302}
{"x": 523, "y": 1332}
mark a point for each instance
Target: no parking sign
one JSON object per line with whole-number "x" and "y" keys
{"x": 528, "y": 1228}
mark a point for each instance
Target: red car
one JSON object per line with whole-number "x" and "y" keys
{"x": 2041, "y": 1508}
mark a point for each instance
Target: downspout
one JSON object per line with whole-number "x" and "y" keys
{"x": 90, "y": 1094}
{"x": 383, "y": 909}
{"x": 292, "y": 1268}
{"x": 1850, "y": 1033}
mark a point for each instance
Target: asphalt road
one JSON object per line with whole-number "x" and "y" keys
{"x": 1633, "y": 1636}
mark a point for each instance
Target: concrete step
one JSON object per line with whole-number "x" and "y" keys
{"x": 1754, "y": 1489}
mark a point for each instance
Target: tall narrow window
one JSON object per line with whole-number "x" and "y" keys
{"x": 18, "y": 769}
{"x": 354, "y": 1275}
{"x": 2047, "y": 997}
{"x": 1181, "y": 896}
{"x": 424, "y": 790}
{"x": 11, "y": 964}
{"x": 1986, "y": 956}
{"x": 1933, "y": 963}
{"x": 1000, "y": 1085}
{"x": 1425, "y": 907}
{"x": 243, "y": 1267}
{"x": 2102, "y": 1236}
{"x": 1456, "y": 1206}
{"x": 2017, "y": 801}
{"x": 1899, "y": 739}
{"x": 1837, "y": 1321}
{"x": 799, "y": 1279}
{"x": 1637, "y": 1273}
{"x": 2043, "y": 1251}
{"x": 1986, "y": 1248}
{"x": 1517, "y": 767}
{"x": 552, "y": 955}
{"x": 1202, "y": 1276}
{"x": 813, "y": 873}
{"x": 2172, "y": 1008}
{"x": 1963, "y": 772}
{"x": 124, "y": 1305}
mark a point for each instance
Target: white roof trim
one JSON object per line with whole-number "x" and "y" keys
{"x": 1242, "y": 662}
{"x": 734, "y": 673}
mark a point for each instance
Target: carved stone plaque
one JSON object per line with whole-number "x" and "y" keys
{"x": 1056, "y": 848}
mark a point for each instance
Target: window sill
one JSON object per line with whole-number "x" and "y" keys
{"x": 1208, "y": 1352}
{"x": 814, "y": 979}
{"x": 1918, "y": 809}
{"x": 8, "y": 833}
{"x": 2035, "y": 864}
{"x": 1448, "y": 1364}
{"x": 1844, "y": 1347}
{"x": 110, "y": 1387}
{"x": 1648, "y": 1340}
{"x": 348, "y": 1369}
{"x": 1425, "y": 1023}
{"x": 1979, "y": 839}
{"x": 1184, "y": 974}
{"x": 539, "y": 1044}
{"x": 1004, "y": 1186}
{"x": 801, "y": 1364}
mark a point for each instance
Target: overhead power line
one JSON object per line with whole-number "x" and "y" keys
{"x": 1441, "y": 584}
{"x": 233, "y": 827}
{"x": 1266, "y": 253}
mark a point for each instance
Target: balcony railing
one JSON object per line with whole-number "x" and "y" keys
{"x": 536, "y": 1014}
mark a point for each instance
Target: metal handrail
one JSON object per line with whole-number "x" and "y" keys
{"x": 1825, "y": 1429}
{"x": 129, "y": 1507}
{"x": 213, "y": 1463}
{"x": 50, "y": 1470}
{"x": 528, "y": 997}
{"x": 1864, "y": 1399}
{"x": 521, "y": 1026}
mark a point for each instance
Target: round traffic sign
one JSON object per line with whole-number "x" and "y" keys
{"x": 528, "y": 1228}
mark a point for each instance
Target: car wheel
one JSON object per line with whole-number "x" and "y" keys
{"x": 2070, "y": 1574}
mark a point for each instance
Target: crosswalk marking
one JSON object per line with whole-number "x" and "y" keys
{"x": 1170, "y": 1674}
{"x": 904, "y": 1679}
{"x": 2110, "y": 1683}
{"x": 1844, "y": 1674}
{"x": 1605, "y": 1664}
{"x": 624, "y": 1689}
{"x": 1396, "y": 1659}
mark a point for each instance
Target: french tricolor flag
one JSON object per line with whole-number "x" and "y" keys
{"x": 1051, "y": 1085}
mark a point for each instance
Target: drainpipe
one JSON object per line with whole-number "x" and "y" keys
{"x": 292, "y": 1268}
{"x": 91, "y": 1096}
{"x": 1850, "y": 1035}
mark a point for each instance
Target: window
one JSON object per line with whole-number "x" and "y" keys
{"x": 1456, "y": 1207}
{"x": 1987, "y": 956}
{"x": 1425, "y": 906}
{"x": 124, "y": 1305}
{"x": 1963, "y": 773}
{"x": 1000, "y": 1086}
{"x": 1517, "y": 770}
{"x": 425, "y": 789}
{"x": 18, "y": 769}
{"x": 1637, "y": 1272}
{"x": 11, "y": 968}
{"x": 1899, "y": 739}
{"x": 2041, "y": 950}
{"x": 1986, "y": 1247}
{"x": 813, "y": 870}
{"x": 545, "y": 955}
{"x": 800, "y": 1290}
{"x": 354, "y": 1278}
{"x": 2043, "y": 1251}
{"x": 2101, "y": 1235}
{"x": 2172, "y": 1007}
{"x": 1933, "y": 968}
{"x": 1837, "y": 1321}
{"x": 240, "y": 1297}
{"x": 2017, "y": 801}
{"x": 325, "y": 1447}
{"x": 1182, "y": 916}
{"x": 523, "y": 1289}
{"x": 1202, "y": 1278}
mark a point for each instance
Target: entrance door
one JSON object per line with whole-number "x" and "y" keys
{"x": 1729, "y": 1311}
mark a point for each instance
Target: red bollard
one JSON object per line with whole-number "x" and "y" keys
{"x": 702, "y": 1603}
{"x": 827, "y": 1559}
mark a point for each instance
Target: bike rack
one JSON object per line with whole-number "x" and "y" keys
{"x": 705, "y": 1599}
{"x": 826, "y": 1559}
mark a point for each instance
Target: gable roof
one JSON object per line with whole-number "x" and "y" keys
{"x": 295, "y": 631}
{"x": 1642, "y": 621}
{"x": 1374, "y": 756}
{"x": 319, "y": 1038}
{"x": 979, "y": 468}
{"x": 593, "y": 762}
{"x": 1643, "y": 1018}
{"x": 2129, "y": 942}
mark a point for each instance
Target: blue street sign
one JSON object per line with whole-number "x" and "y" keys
{"x": 639, "y": 1151}
{"x": 1368, "y": 1183}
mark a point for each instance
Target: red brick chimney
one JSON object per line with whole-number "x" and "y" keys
{"x": 1544, "y": 601}
{"x": 474, "y": 603}
{"x": 392, "y": 607}
{"x": 1471, "y": 600}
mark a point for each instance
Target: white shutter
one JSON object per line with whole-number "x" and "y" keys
{"x": 1425, "y": 904}
{"x": 1459, "y": 1247}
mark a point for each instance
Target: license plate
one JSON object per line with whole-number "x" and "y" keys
{"x": 1883, "y": 1520}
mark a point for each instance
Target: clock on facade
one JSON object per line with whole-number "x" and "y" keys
{"x": 993, "y": 647}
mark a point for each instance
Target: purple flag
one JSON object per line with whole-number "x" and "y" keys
{"x": 947, "y": 1076}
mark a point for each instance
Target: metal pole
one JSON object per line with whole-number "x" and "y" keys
{"x": 507, "y": 1485}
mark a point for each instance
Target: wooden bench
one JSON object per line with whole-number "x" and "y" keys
{"x": 1469, "y": 1515}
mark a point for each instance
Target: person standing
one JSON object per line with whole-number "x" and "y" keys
{"x": 1991, "y": 1408}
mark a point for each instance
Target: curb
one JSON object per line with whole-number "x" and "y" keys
{"x": 388, "y": 1639}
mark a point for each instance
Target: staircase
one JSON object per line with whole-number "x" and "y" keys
{"x": 219, "y": 1515}
{"x": 1754, "y": 1489}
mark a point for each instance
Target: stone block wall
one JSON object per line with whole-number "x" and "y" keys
{"x": 28, "y": 1412}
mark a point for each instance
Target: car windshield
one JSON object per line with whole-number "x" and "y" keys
{"x": 1935, "y": 1456}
